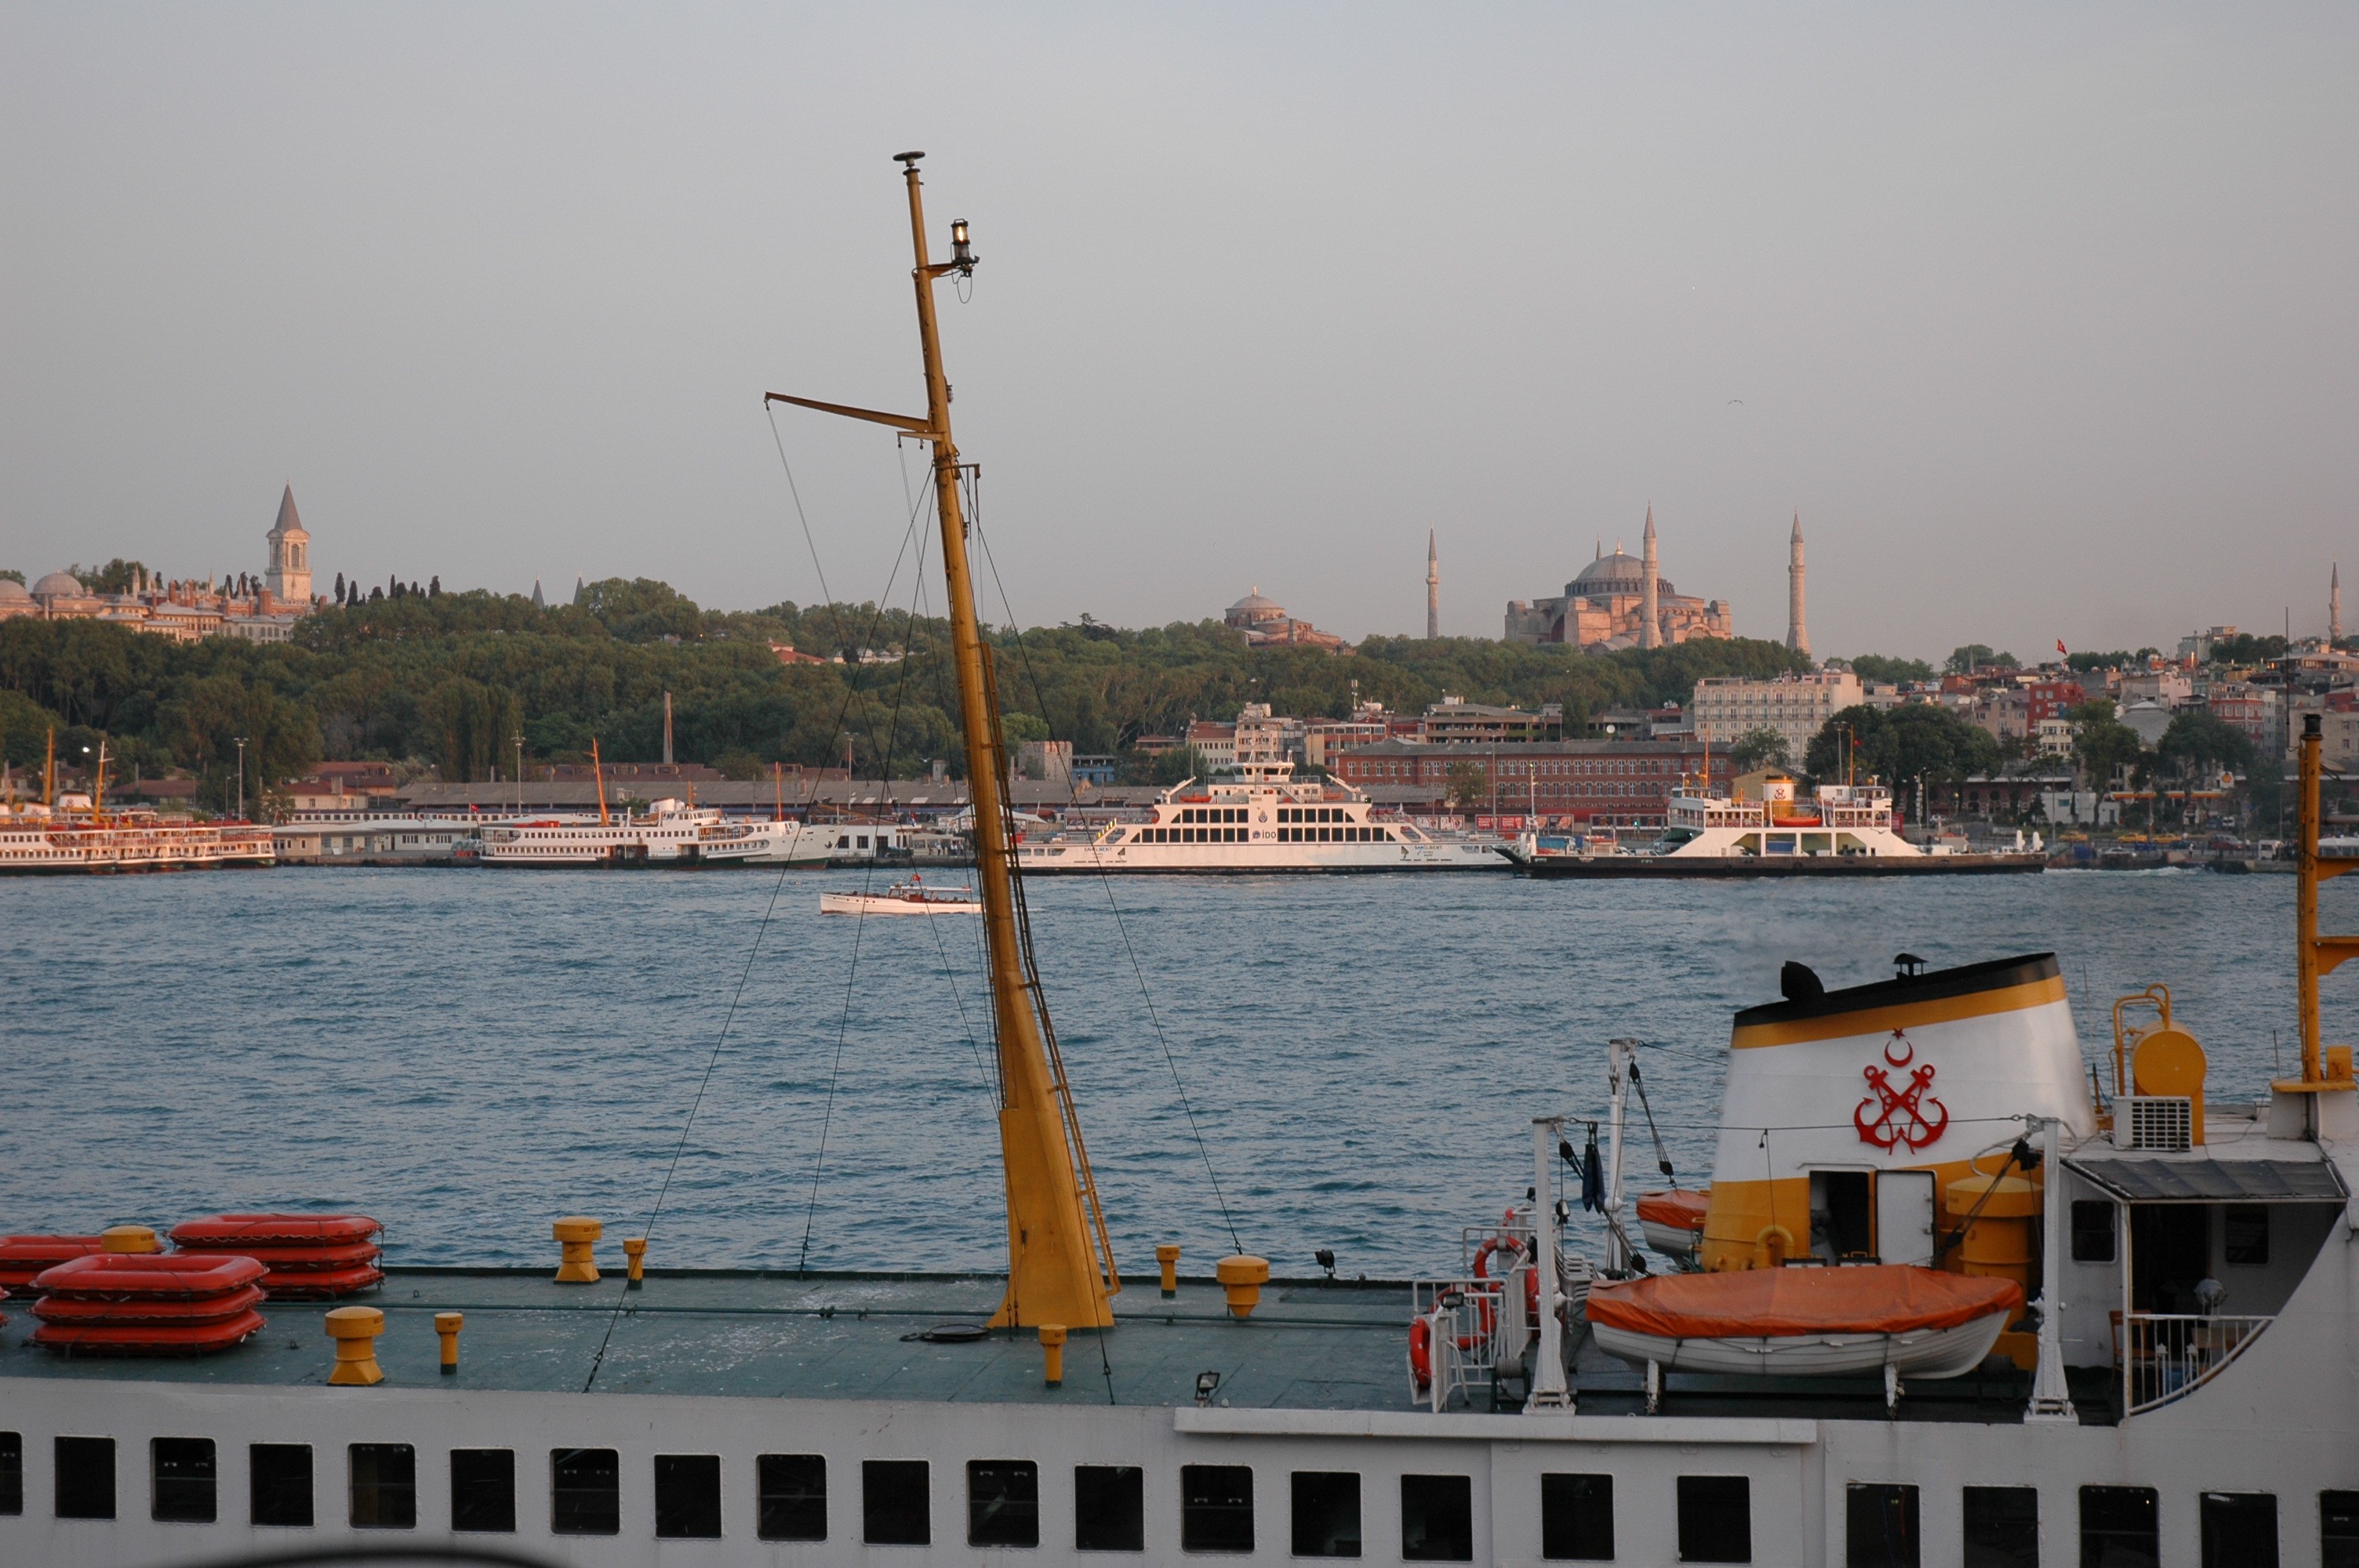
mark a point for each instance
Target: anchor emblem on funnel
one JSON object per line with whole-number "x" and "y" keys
{"x": 1904, "y": 1113}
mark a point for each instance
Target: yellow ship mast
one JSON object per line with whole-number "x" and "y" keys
{"x": 1060, "y": 1262}
{"x": 598, "y": 772}
{"x": 2314, "y": 955}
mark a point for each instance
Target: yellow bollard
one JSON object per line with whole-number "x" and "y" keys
{"x": 574, "y": 1235}
{"x": 635, "y": 1248}
{"x": 354, "y": 1329}
{"x": 129, "y": 1239}
{"x": 447, "y": 1324}
{"x": 1242, "y": 1276}
{"x": 1052, "y": 1344}
{"x": 1167, "y": 1258}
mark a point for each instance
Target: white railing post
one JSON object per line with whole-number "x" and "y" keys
{"x": 1549, "y": 1389}
{"x": 2052, "y": 1399}
{"x": 1617, "y": 1074}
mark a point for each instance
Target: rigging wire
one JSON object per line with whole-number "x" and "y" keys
{"x": 1106, "y": 881}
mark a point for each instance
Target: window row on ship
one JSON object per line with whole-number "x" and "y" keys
{"x": 1219, "y": 1507}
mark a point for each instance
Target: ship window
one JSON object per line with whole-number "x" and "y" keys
{"x": 585, "y": 1493}
{"x": 181, "y": 1474}
{"x": 688, "y": 1497}
{"x": 894, "y": 1505}
{"x": 1108, "y": 1507}
{"x": 1437, "y": 1519}
{"x": 1715, "y": 1518}
{"x": 2240, "y": 1530}
{"x": 794, "y": 1497}
{"x": 1216, "y": 1508}
{"x": 383, "y": 1486}
{"x": 483, "y": 1489}
{"x": 2247, "y": 1237}
{"x": 1880, "y": 1526}
{"x": 1003, "y": 1502}
{"x": 2002, "y": 1527}
{"x": 12, "y": 1472}
{"x": 279, "y": 1483}
{"x": 1577, "y": 1518}
{"x": 2120, "y": 1527}
{"x": 1326, "y": 1513}
{"x": 86, "y": 1477}
{"x": 2092, "y": 1231}
{"x": 2338, "y": 1529}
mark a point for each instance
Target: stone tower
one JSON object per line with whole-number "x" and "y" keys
{"x": 1650, "y": 623}
{"x": 2334, "y": 603}
{"x": 1432, "y": 588}
{"x": 1797, "y": 631}
{"x": 290, "y": 556}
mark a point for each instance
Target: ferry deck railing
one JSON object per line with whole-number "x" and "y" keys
{"x": 2167, "y": 1356}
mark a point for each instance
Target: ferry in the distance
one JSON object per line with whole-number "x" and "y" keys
{"x": 1762, "y": 830}
{"x": 76, "y": 835}
{"x": 1257, "y": 817}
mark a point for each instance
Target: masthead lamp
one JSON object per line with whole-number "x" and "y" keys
{"x": 961, "y": 253}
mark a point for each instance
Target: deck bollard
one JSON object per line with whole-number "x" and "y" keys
{"x": 635, "y": 1248}
{"x": 574, "y": 1235}
{"x": 447, "y": 1324}
{"x": 1242, "y": 1276}
{"x": 1167, "y": 1258}
{"x": 354, "y": 1329}
{"x": 1052, "y": 1345}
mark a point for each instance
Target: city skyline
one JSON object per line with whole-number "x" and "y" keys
{"x": 2031, "y": 313}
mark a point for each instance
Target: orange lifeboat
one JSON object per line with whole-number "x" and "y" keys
{"x": 149, "y": 1305}
{"x": 310, "y": 1257}
{"x": 1672, "y": 1220}
{"x": 24, "y": 1257}
{"x": 1806, "y": 1322}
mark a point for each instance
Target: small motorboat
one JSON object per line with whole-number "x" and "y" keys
{"x": 1672, "y": 1220}
{"x": 1806, "y": 1322}
{"x": 910, "y": 896}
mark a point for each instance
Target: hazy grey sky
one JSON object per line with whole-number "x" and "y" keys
{"x": 2043, "y": 316}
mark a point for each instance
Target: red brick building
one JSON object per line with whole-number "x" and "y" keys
{"x": 1621, "y": 782}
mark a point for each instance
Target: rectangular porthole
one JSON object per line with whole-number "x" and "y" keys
{"x": 2121, "y": 1527}
{"x": 383, "y": 1483}
{"x": 1003, "y": 1502}
{"x": 1715, "y": 1518}
{"x": 2240, "y": 1529}
{"x": 1880, "y": 1526}
{"x": 793, "y": 1505}
{"x": 1216, "y": 1508}
{"x": 2002, "y": 1525}
{"x": 482, "y": 1490}
{"x": 1108, "y": 1507}
{"x": 181, "y": 1480}
{"x": 688, "y": 1497}
{"x": 2338, "y": 1529}
{"x": 278, "y": 1484}
{"x": 86, "y": 1477}
{"x": 2092, "y": 1231}
{"x": 12, "y": 1472}
{"x": 585, "y": 1492}
{"x": 1326, "y": 1513}
{"x": 1437, "y": 1519}
{"x": 1577, "y": 1518}
{"x": 896, "y": 1503}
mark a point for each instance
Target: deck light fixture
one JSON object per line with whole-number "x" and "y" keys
{"x": 1326, "y": 1260}
{"x": 1207, "y": 1384}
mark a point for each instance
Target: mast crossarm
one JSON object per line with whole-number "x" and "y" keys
{"x": 2332, "y": 951}
{"x": 909, "y": 422}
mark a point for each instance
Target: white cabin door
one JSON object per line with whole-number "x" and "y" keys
{"x": 1904, "y": 1216}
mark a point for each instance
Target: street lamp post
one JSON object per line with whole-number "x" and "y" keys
{"x": 520, "y": 773}
{"x": 241, "y": 776}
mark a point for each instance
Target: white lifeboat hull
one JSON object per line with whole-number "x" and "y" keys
{"x": 1915, "y": 1353}
{"x": 895, "y": 904}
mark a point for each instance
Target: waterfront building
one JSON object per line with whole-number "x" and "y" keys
{"x": 2258, "y": 710}
{"x": 1619, "y": 602}
{"x": 1609, "y": 782}
{"x": 1267, "y": 624}
{"x": 1727, "y": 707}
{"x": 1456, "y": 721}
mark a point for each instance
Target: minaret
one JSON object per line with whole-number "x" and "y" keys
{"x": 290, "y": 556}
{"x": 1432, "y": 590}
{"x": 2334, "y": 603}
{"x": 1797, "y": 633}
{"x": 1650, "y": 626}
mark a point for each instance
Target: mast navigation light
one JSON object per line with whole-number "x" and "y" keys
{"x": 961, "y": 254}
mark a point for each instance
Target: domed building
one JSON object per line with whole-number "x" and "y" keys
{"x": 1619, "y": 600}
{"x": 16, "y": 598}
{"x": 63, "y": 597}
{"x": 1267, "y": 624}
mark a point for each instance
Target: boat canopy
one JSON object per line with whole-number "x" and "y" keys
{"x": 2214, "y": 1181}
{"x": 1883, "y": 1298}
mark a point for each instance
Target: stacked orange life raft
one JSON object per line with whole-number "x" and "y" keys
{"x": 23, "y": 1258}
{"x": 310, "y": 1256}
{"x": 149, "y": 1305}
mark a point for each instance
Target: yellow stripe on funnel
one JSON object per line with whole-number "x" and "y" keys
{"x": 1900, "y": 1015}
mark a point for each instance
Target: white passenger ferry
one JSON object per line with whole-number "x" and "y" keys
{"x": 76, "y": 837}
{"x": 1257, "y": 817}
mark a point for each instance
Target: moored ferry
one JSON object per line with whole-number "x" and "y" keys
{"x": 1256, "y": 817}
{"x": 76, "y": 837}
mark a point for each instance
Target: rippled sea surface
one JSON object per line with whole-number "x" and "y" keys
{"x": 468, "y": 1053}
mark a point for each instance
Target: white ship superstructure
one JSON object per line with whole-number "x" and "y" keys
{"x": 1256, "y": 817}
{"x": 670, "y": 832}
{"x": 74, "y": 837}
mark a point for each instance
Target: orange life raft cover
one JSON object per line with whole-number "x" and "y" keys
{"x": 222, "y": 1232}
{"x": 149, "y": 1276}
{"x": 1883, "y": 1298}
{"x": 1678, "y": 1208}
{"x": 22, "y": 1257}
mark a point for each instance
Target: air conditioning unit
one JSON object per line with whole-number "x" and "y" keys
{"x": 2165, "y": 1123}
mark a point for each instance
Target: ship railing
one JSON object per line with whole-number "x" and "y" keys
{"x": 1465, "y": 1324}
{"x": 2167, "y": 1356}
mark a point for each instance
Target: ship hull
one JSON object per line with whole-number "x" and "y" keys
{"x": 1749, "y": 866}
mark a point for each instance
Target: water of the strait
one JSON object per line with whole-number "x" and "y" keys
{"x": 467, "y": 1053}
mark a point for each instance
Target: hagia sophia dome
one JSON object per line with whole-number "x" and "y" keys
{"x": 1617, "y": 573}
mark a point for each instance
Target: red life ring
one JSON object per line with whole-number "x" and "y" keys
{"x": 274, "y": 1230}
{"x": 149, "y": 1276}
{"x": 1420, "y": 1352}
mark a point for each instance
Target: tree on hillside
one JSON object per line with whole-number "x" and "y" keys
{"x": 2103, "y": 746}
{"x": 1763, "y": 748}
{"x": 2197, "y": 743}
{"x": 1899, "y": 744}
{"x": 117, "y": 576}
{"x": 1470, "y": 786}
{"x": 1877, "y": 668}
{"x": 1975, "y": 656}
